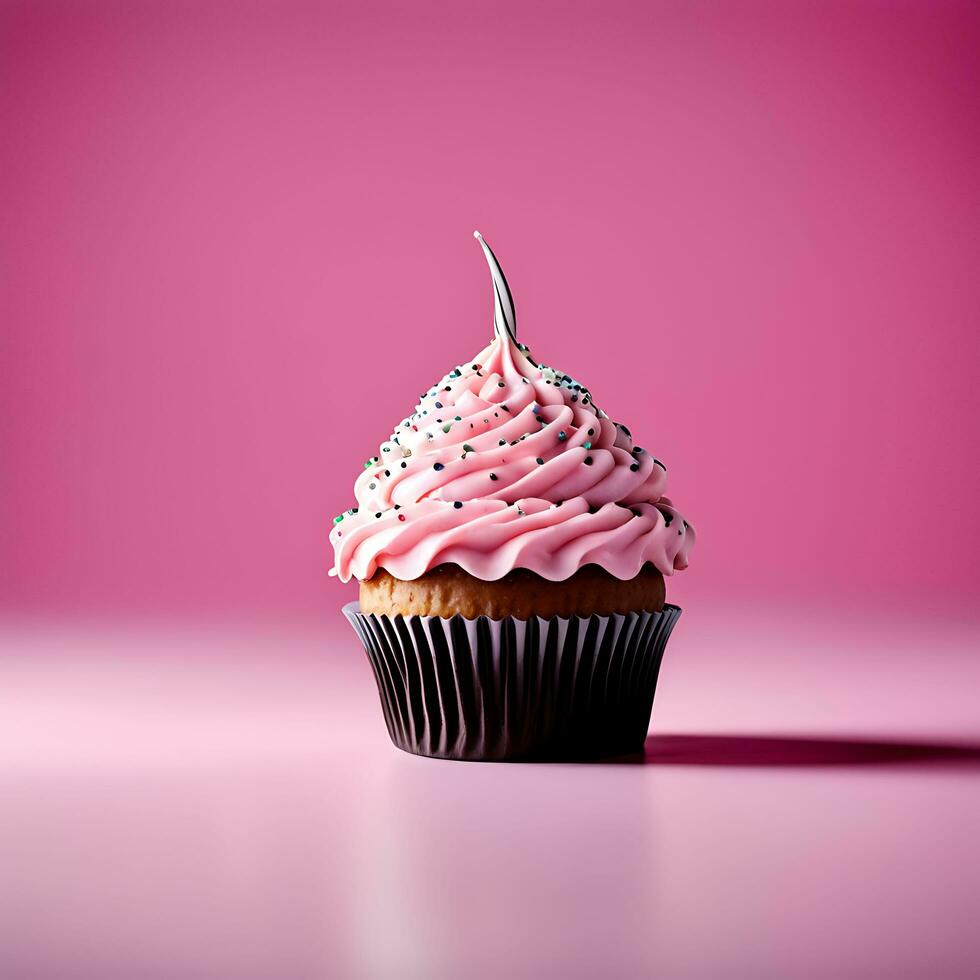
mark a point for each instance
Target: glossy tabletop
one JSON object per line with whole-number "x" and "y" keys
{"x": 220, "y": 800}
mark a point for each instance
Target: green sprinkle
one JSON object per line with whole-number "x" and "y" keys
{"x": 467, "y": 448}
{"x": 587, "y": 445}
{"x": 338, "y": 518}
{"x": 447, "y": 427}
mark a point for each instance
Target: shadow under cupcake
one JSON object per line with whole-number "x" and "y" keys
{"x": 511, "y": 542}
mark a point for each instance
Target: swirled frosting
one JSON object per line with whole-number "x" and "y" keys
{"x": 507, "y": 463}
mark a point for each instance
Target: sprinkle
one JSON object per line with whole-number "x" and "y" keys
{"x": 634, "y": 467}
{"x": 401, "y": 517}
{"x": 457, "y": 504}
{"x": 387, "y": 472}
{"x": 447, "y": 388}
{"x": 504, "y": 408}
{"x": 353, "y": 510}
{"x": 493, "y": 476}
{"x": 458, "y": 418}
{"x": 438, "y": 466}
{"x": 476, "y": 367}
{"x": 338, "y": 518}
{"x": 447, "y": 427}
{"x": 398, "y": 506}
{"x": 467, "y": 448}
{"x": 587, "y": 461}
{"x": 539, "y": 461}
{"x": 378, "y": 514}
{"x": 438, "y": 404}
{"x": 372, "y": 486}
{"x": 574, "y": 398}
{"x": 404, "y": 464}
{"x": 591, "y": 432}
{"x": 661, "y": 465}
{"x": 587, "y": 445}
{"x": 561, "y": 436}
{"x": 500, "y": 384}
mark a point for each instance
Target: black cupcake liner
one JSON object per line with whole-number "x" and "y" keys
{"x": 483, "y": 689}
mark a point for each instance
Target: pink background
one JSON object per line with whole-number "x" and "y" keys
{"x": 235, "y": 244}
{"x": 234, "y": 247}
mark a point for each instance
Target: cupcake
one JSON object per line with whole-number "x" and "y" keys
{"x": 510, "y": 542}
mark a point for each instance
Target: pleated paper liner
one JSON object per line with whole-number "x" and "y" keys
{"x": 482, "y": 689}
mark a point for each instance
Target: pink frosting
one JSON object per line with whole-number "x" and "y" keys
{"x": 509, "y": 464}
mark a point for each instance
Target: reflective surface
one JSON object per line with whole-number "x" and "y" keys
{"x": 223, "y": 801}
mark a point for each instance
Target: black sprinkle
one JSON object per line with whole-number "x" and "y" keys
{"x": 503, "y": 442}
{"x": 387, "y": 472}
{"x": 457, "y": 504}
{"x": 372, "y": 486}
{"x": 447, "y": 388}
{"x": 398, "y": 506}
{"x": 634, "y": 467}
{"x": 668, "y": 519}
{"x": 438, "y": 466}
{"x": 539, "y": 461}
{"x": 500, "y": 384}
{"x": 378, "y": 514}
{"x": 404, "y": 465}
{"x": 574, "y": 398}
{"x": 587, "y": 460}
{"x": 661, "y": 465}
{"x": 591, "y": 432}
{"x": 493, "y": 476}
{"x": 438, "y": 404}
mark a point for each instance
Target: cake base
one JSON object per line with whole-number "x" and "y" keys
{"x": 448, "y": 590}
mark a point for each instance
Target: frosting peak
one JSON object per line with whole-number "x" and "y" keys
{"x": 507, "y": 463}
